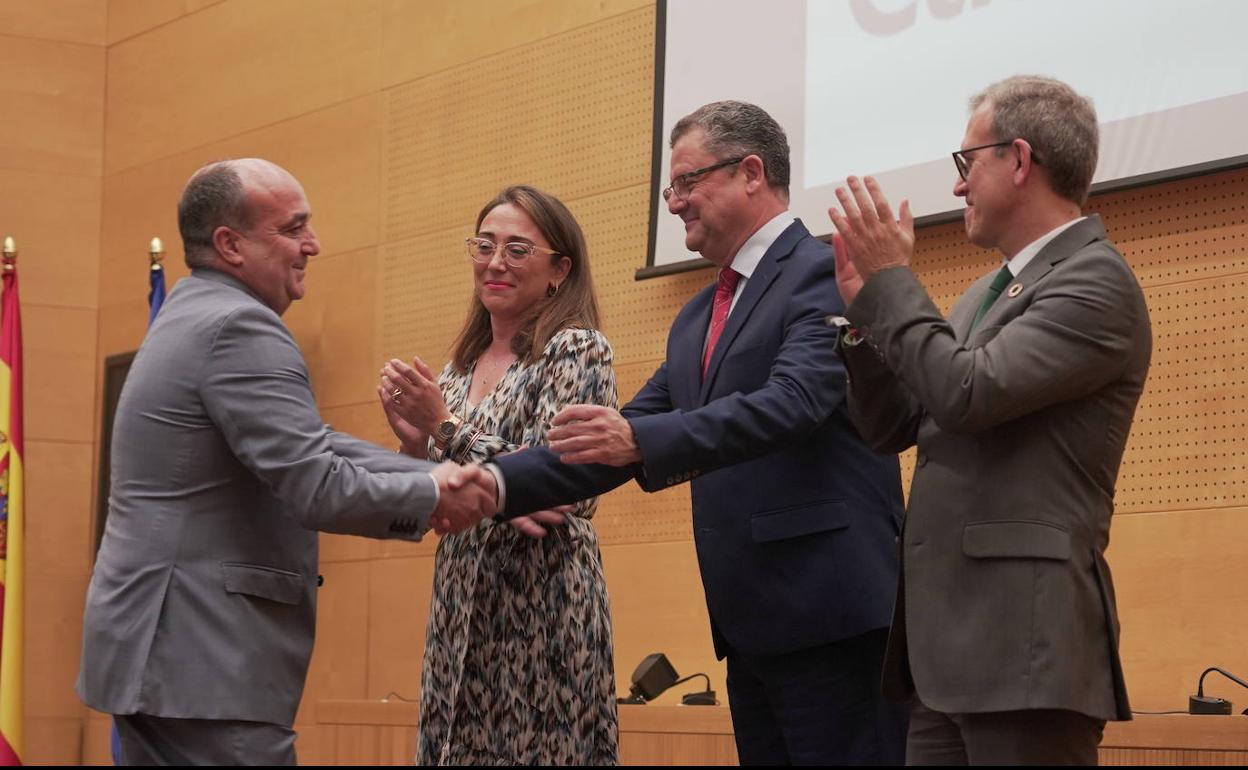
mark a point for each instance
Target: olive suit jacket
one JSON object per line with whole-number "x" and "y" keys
{"x": 1006, "y": 600}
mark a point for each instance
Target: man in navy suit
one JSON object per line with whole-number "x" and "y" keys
{"x": 795, "y": 519}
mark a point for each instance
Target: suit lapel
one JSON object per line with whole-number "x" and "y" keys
{"x": 755, "y": 288}
{"x": 1073, "y": 239}
{"x": 685, "y": 364}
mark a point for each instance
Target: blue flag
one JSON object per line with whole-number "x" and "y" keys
{"x": 156, "y": 297}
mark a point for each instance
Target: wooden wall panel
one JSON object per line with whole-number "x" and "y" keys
{"x": 59, "y": 348}
{"x": 331, "y": 322}
{"x": 345, "y": 548}
{"x": 96, "y": 739}
{"x": 364, "y": 420}
{"x": 121, "y": 329}
{"x": 657, "y": 605}
{"x": 424, "y": 285}
{"x": 55, "y": 741}
{"x": 53, "y": 96}
{"x": 55, "y": 219}
{"x": 399, "y": 594}
{"x": 139, "y": 204}
{"x": 69, "y": 21}
{"x": 234, "y": 67}
{"x": 569, "y": 113}
{"x": 469, "y": 30}
{"x": 340, "y": 658}
{"x": 53, "y": 637}
{"x": 1186, "y": 444}
{"x": 1179, "y": 579}
{"x": 333, "y": 152}
{"x": 58, "y": 494}
{"x": 127, "y": 18}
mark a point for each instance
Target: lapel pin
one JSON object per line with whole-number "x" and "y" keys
{"x": 1014, "y": 290}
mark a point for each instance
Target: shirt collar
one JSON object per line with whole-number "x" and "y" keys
{"x": 1029, "y": 252}
{"x": 753, "y": 250}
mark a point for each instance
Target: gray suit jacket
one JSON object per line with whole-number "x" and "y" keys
{"x": 1006, "y": 601}
{"x": 203, "y": 599}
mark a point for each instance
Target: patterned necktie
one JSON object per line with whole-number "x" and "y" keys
{"x": 998, "y": 285}
{"x": 724, "y": 289}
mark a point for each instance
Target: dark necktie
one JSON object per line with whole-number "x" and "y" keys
{"x": 724, "y": 289}
{"x": 999, "y": 283}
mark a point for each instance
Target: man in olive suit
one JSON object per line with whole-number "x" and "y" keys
{"x": 1005, "y": 632}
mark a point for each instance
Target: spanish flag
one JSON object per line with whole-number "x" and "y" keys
{"x": 12, "y": 516}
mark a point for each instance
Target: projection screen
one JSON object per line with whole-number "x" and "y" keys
{"x": 881, "y": 87}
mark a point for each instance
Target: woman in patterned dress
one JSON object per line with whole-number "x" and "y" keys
{"x": 518, "y": 663}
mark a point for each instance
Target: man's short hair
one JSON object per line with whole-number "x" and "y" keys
{"x": 1058, "y": 123}
{"x": 214, "y": 196}
{"x": 737, "y": 128}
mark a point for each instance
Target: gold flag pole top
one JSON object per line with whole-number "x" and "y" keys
{"x": 10, "y": 254}
{"x": 156, "y": 252}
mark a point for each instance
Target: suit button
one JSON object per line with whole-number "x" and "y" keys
{"x": 922, "y": 460}
{"x": 670, "y": 481}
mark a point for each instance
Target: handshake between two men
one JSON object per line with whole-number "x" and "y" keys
{"x": 469, "y": 493}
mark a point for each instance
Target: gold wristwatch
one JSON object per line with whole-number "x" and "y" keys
{"x": 445, "y": 431}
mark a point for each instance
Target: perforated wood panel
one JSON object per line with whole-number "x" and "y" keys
{"x": 570, "y": 113}
{"x": 1187, "y": 242}
{"x": 425, "y": 284}
{"x": 1186, "y": 446}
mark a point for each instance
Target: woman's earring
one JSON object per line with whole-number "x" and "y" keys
{"x": 552, "y": 290}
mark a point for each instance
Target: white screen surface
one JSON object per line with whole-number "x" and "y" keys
{"x": 881, "y": 86}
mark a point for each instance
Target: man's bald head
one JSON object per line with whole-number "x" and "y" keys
{"x": 218, "y": 195}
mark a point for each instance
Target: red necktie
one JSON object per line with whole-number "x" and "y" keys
{"x": 724, "y": 289}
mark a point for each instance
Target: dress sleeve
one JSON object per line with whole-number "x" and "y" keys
{"x": 470, "y": 444}
{"x": 575, "y": 368}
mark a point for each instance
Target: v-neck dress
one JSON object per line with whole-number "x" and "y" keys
{"x": 518, "y": 661}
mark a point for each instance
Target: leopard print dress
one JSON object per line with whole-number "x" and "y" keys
{"x": 518, "y": 665}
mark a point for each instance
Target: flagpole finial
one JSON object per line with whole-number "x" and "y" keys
{"x": 10, "y": 253}
{"x": 155, "y": 253}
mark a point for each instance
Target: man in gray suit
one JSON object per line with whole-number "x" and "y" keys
{"x": 202, "y": 607}
{"x": 1005, "y": 629}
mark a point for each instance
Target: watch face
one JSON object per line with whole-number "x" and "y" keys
{"x": 446, "y": 429}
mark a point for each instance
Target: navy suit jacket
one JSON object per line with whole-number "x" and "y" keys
{"x": 795, "y": 519}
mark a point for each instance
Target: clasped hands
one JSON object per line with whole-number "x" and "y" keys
{"x": 468, "y": 493}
